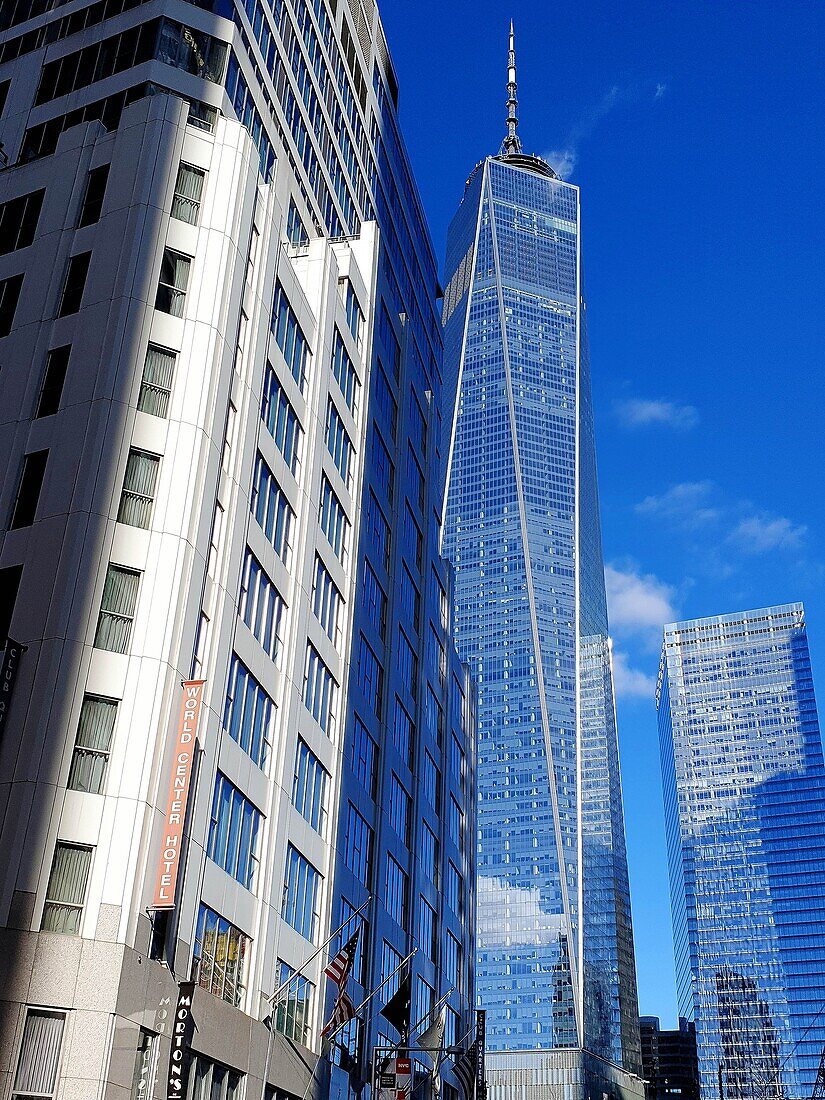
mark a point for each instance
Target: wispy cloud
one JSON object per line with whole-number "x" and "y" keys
{"x": 638, "y": 603}
{"x": 641, "y": 413}
{"x": 631, "y": 683}
{"x": 760, "y": 534}
{"x": 688, "y": 504}
{"x": 564, "y": 159}
{"x": 498, "y": 899}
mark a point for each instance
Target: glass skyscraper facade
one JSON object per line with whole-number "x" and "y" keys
{"x": 554, "y": 964}
{"x": 742, "y": 768}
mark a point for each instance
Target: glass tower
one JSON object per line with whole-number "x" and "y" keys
{"x": 554, "y": 964}
{"x": 745, "y": 813}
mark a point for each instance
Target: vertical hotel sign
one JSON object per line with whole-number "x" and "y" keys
{"x": 179, "y": 782}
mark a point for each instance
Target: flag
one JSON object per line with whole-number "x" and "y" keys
{"x": 342, "y": 1012}
{"x": 465, "y": 1070}
{"x": 397, "y": 1008}
{"x": 432, "y": 1040}
{"x": 338, "y": 969}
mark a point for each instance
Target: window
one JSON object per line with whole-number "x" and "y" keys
{"x": 28, "y": 494}
{"x": 221, "y": 950}
{"x": 399, "y": 809}
{"x": 248, "y": 713}
{"x": 434, "y": 715}
{"x": 375, "y": 601}
{"x": 415, "y": 477}
{"x": 427, "y": 926}
{"x": 345, "y": 374}
{"x": 390, "y": 962}
{"x": 186, "y": 203}
{"x": 395, "y": 892}
{"x": 261, "y": 607}
{"x": 281, "y": 419}
{"x": 355, "y": 318}
{"x": 385, "y": 401}
{"x": 326, "y": 601}
{"x": 454, "y": 891}
{"x": 272, "y": 510}
{"x": 296, "y": 232}
{"x": 191, "y": 50}
{"x": 333, "y": 520}
{"x": 456, "y": 758}
{"x": 452, "y": 962}
{"x": 370, "y": 676}
{"x": 156, "y": 384}
{"x": 93, "y": 199}
{"x": 51, "y": 390}
{"x": 93, "y": 743}
{"x": 402, "y": 732}
{"x": 382, "y": 466}
{"x": 319, "y": 691}
{"x": 407, "y": 663}
{"x": 138, "y": 493}
{"x": 309, "y": 787}
{"x": 18, "y": 221}
{"x": 388, "y": 337}
{"x": 75, "y": 284}
{"x": 66, "y": 892}
{"x": 432, "y": 783}
{"x": 233, "y": 832}
{"x": 358, "y": 843}
{"x": 339, "y": 444}
{"x": 210, "y": 1080}
{"x": 200, "y": 647}
{"x": 429, "y": 853}
{"x": 173, "y": 283}
{"x": 215, "y": 540}
{"x": 424, "y": 1000}
{"x": 413, "y": 539}
{"x": 143, "y": 1072}
{"x": 410, "y": 597}
{"x": 436, "y": 658}
{"x": 117, "y": 609}
{"x": 418, "y": 426}
{"x": 364, "y": 756}
{"x": 455, "y": 823}
{"x": 350, "y": 924}
{"x": 9, "y": 296}
{"x": 294, "y": 1010}
{"x": 378, "y": 531}
{"x": 39, "y": 1057}
{"x": 289, "y": 337}
{"x": 228, "y": 438}
{"x": 302, "y": 895}
{"x": 9, "y": 588}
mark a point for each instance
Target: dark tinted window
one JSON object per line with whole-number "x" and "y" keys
{"x": 9, "y": 295}
{"x": 75, "y": 283}
{"x": 9, "y": 584}
{"x": 93, "y": 199}
{"x": 31, "y": 482}
{"x": 56, "y": 363}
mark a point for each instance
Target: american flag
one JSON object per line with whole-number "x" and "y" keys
{"x": 465, "y": 1070}
{"x": 342, "y": 1012}
{"x": 339, "y": 968}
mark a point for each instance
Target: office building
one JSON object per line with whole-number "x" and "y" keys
{"x": 744, "y": 797}
{"x": 669, "y": 1064}
{"x": 220, "y": 397}
{"x": 555, "y": 964}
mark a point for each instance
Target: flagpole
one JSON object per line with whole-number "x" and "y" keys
{"x": 374, "y": 993}
{"x": 273, "y": 1000}
{"x": 438, "y": 1004}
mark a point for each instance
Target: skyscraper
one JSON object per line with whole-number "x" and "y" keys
{"x": 669, "y": 1060}
{"x": 219, "y": 417}
{"x": 555, "y": 965}
{"x": 744, "y": 794}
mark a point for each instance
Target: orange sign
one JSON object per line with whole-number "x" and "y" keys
{"x": 178, "y": 796}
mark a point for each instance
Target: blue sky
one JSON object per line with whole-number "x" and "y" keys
{"x": 695, "y": 132}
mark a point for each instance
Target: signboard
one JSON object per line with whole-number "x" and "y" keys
{"x": 393, "y": 1078}
{"x": 181, "y": 1038}
{"x": 179, "y": 781}
{"x": 8, "y": 675}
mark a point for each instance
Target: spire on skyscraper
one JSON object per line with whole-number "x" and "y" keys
{"x": 511, "y": 143}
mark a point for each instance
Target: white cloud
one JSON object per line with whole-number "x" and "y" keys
{"x": 562, "y": 161}
{"x": 641, "y": 413}
{"x": 631, "y": 683}
{"x": 761, "y": 533}
{"x": 511, "y": 915}
{"x": 638, "y": 603}
{"x": 687, "y": 503}
{"x": 660, "y": 91}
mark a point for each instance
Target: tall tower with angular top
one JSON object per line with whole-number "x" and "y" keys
{"x": 555, "y": 965}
